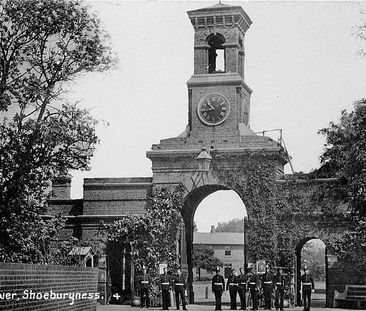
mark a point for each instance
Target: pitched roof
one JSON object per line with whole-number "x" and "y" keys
{"x": 218, "y": 238}
{"x": 81, "y": 251}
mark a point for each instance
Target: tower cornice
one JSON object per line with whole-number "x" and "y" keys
{"x": 220, "y": 15}
{"x": 217, "y": 79}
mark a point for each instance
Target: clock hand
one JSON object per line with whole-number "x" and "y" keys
{"x": 207, "y": 109}
{"x": 209, "y": 103}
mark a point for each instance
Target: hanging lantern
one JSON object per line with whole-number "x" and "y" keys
{"x": 204, "y": 160}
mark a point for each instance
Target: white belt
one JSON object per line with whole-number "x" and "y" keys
{"x": 165, "y": 283}
{"x": 218, "y": 284}
{"x": 306, "y": 283}
{"x": 179, "y": 284}
{"x": 278, "y": 283}
{"x": 233, "y": 284}
{"x": 252, "y": 283}
{"x": 144, "y": 281}
{"x": 243, "y": 283}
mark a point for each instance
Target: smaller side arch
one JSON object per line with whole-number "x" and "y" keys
{"x": 299, "y": 268}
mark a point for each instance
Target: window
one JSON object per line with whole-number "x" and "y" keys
{"x": 227, "y": 251}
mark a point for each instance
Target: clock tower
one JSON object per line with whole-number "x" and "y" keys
{"x": 218, "y": 97}
{"x": 217, "y": 137}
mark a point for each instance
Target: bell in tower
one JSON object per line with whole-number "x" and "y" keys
{"x": 219, "y": 99}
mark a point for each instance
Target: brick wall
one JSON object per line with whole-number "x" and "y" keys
{"x": 40, "y": 287}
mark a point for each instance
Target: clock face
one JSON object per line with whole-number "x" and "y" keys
{"x": 213, "y": 109}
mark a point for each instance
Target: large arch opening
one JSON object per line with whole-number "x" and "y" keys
{"x": 206, "y": 207}
{"x": 312, "y": 253}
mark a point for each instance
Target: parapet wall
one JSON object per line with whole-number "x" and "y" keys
{"x": 41, "y": 287}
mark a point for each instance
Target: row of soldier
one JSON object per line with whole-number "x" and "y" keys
{"x": 237, "y": 284}
{"x": 251, "y": 282}
{"x": 167, "y": 284}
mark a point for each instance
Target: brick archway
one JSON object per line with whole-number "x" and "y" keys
{"x": 191, "y": 202}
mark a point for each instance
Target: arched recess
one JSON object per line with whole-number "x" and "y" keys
{"x": 216, "y": 52}
{"x": 299, "y": 268}
{"x": 191, "y": 202}
{"x": 120, "y": 274}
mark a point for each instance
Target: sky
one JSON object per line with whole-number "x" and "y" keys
{"x": 301, "y": 63}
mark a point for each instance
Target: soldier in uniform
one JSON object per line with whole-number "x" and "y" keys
{"x": 267, "y": 285}
{"x": 144, "y": 283}
{"x": 253, "y": 281}
{"x": 307, "y": 288}
{"x": 165, "y": 286}
{"x": 218, "y": 286}
{"x": 242, "y": 287}
{"x": 179, "y": 288}
{"x": 232, "y": 286}
{"x": 279, "y": 282}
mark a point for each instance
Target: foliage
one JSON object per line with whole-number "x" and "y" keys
{"x": 153, "y": 235}
{"x": 43, "y": 45}
{"x": 254, "y": 182}
{"x": 203, "y": 258}
{"x": 282, "y": 213}
{"x": 350, "y": 247}
{"x": 195, "y": 228}
{"x": 345, "y": 158}
{"x": 234, "y": 225}
{"x": 345, "y": 153}
{"x": 359, "y": 32}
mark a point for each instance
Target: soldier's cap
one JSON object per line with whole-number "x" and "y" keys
{"x": 217, "y": 269}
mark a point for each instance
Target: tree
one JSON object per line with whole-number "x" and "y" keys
{"x": 345, "y": 158}
{"x": 345, "y": 154}
{"x": 152, "y": 236}
{"x": 234, "y": 225}
{"x": 44, "y": 45}
{"x": 203, "y": 258}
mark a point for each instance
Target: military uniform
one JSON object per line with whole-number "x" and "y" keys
{"x": 242, "y": 287}
{"x": 144, "y": 284}
{"x": 165, "y": 286}
{"x": 307, "y": 287}
{"x": 218, "y": 286}
{"x": 179, "y": 288}
{"x": 267, "y": 285}
{"x": 232, "y": 286}
{"x": 279, "y": 282}
{"x": 253, "y": 281}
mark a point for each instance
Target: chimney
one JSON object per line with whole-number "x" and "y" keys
{"x": 212, "y": 229}
{"x": 61, "y": 187}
